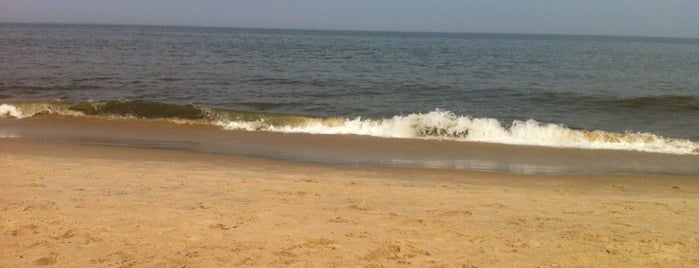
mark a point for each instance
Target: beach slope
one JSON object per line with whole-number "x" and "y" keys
{"x": 76, "y": 206}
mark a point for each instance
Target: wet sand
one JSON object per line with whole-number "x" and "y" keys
{"x": 352, "y": 150}
{"x": 69, "y": 205}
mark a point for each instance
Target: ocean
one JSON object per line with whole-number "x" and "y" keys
{"x": 585, "y": 93}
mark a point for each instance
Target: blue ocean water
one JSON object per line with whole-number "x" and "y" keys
{"x": 611, "y": 84}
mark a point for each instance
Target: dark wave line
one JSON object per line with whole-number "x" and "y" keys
{"x": 679, "y": 102}
{"x": 660, "y": 102}
{"x": 143, "y": 109}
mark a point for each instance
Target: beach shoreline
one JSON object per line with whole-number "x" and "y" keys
{"x": 346, "y": 150}
{"x": 77, "y": 205}
{"x": 179, "y": 146}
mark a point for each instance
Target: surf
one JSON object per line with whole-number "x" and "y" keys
{"x": 445, "y": 125}
{"x": 434, "y": 125}
{"x": 7, "y": 110}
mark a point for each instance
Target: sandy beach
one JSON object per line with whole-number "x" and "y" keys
{"x": 77, "y": 206}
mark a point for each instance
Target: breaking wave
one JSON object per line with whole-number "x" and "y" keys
{"x": 7, "y": 110}
{"x": 438, "y": 124}
{"x": 446, "y": 125}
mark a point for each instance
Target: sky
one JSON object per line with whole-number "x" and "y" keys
{"x": 663, "y": 18}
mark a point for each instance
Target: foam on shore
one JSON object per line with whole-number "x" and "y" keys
{"x": 440, "y": 124}
{"x": 437, "y": 124}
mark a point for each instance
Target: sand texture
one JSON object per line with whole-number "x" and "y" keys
{"x": 81, "y": 206}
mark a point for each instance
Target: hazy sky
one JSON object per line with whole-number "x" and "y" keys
{"x": 678, "y": 18}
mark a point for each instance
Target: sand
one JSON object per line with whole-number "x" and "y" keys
{"x": 76, "y": 206}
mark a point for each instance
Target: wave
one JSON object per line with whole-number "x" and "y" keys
{"x": 141, "y": 109}
{"x": 438, "y": 125}
{"x": 7, "y": 110}
{"x": 445, "y": 125}
{"x": 674, "y": 102}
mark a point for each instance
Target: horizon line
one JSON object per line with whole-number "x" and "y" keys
{"x": 346, "y": 30}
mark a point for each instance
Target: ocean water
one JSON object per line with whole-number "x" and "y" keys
{"x": 591, "y": 92}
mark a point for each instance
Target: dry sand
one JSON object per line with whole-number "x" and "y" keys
{"x": 78, "y": 206}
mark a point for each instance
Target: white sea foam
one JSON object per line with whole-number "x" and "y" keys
{"x": 7, "y": 110}
{"x": 446, "y": 125}
{"x": 437, "y": 124}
